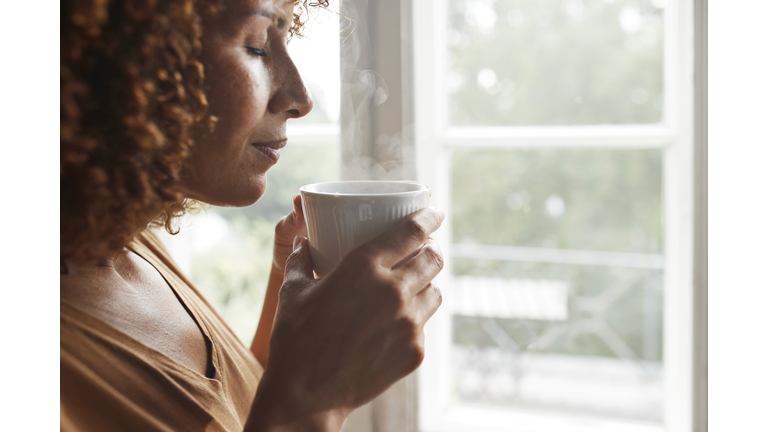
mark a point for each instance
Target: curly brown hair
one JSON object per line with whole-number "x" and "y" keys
{"x": 131, "y": 94}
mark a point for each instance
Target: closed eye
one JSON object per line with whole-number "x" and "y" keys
{"x": 255, "y": 51}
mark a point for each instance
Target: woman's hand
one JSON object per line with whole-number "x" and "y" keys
{"x": 340, "y": 341}
{"x": 286, "y": 230}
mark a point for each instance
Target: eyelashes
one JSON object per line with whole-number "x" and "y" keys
{"x": 255, "y": 51}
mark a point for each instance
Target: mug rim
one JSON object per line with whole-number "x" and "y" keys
{"x": 420, "y": 188}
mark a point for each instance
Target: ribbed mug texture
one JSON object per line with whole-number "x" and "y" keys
{"x": 339, "y": 223}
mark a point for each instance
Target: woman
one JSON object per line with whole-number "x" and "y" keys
{"x": 164, "y": 103}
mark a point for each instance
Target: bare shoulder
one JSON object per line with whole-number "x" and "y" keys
{"x": 133, "y": 297}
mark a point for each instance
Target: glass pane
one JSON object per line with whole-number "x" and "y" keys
{"x": 556, "y": 281}
{"x": 554, "y": 62}
{"x": 606, "y": 200}
{"x": 316, "y": 56}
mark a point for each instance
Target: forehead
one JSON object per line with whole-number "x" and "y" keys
{"x": 279, "y": 11}
{"x": 278, "y": 19}
{"x": 237, "y": 15}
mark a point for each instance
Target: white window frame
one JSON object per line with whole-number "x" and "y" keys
{"x": 413, "y": 71}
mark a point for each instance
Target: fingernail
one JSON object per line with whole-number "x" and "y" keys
{"x": 296, "y": 241}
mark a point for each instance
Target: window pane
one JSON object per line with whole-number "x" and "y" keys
{"x": 316, "y": 56}
{"x": 607, "y": 200}
{"x": 556, "y": 281}
{"x": 554, "y": 62}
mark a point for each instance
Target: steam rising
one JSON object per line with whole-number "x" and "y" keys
{"x": 372, "y": 135}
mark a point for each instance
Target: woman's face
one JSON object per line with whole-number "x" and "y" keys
{"x": 253, "y": 88}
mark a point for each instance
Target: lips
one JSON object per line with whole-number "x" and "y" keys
{"x": 271, "y": 149}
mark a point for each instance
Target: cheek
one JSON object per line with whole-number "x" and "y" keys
{"x": 242, "y": 112}
{"x": 253, "y": 96}
{"x": 238, "y": 95}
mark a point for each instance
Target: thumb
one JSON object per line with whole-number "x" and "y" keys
{"x": 291, "y": 225}
{"x": 296, "y": 217}
{"x": 298, "y": 267}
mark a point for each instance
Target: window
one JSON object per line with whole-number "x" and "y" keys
{"x": 558, "y": 135}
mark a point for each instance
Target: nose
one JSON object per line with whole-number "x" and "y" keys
{"x": 291, "y": 96}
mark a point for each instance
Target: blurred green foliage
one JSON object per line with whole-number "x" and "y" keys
{"x": 583, "y": 199}
{"x": 594, "y": 199}
{"x": 232, "y": 275}
{"x": 554, "y": 62}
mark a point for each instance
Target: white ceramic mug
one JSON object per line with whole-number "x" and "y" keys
{"x": 343, "y": 215}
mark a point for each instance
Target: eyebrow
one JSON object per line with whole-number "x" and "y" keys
{"x": 279, "y": 21}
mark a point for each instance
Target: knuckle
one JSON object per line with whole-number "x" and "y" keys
{"x": 434, "y": 218}
{"x": 285, "y": 292}
{"x": 365, "y": 257}
{"x": 382, "y": 276}
{"x": 293, "y": 260}
{"x": 416, "y": 355}
{"x": 280, "y": 226}
{"x": 416, "y": 229}
{"x": 394, "y": 296}
{"x": 409, "y": 328}
{"x": 285, "y": 220}
{"x": 437, "y": 294}
{"x": 368, "y": 264}
{"x": 434, "y": 256}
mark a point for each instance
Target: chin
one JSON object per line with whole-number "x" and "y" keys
{"x": 234, "y": 196}
{"x": 244, "y": 199}
{"x": 250, "y": 200}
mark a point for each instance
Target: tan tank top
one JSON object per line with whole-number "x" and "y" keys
{"x": 112, "y": 382}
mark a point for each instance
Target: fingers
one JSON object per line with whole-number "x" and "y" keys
{"x": 291, "y": 225}
{"x": 418, "y": 270}
{"x": 298, "y": 267}
{"x": 296, "y": 218}
{"x": 298, "y": 207}
{"x": 426, "y": 303}
{"x": 401, "y": 241}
